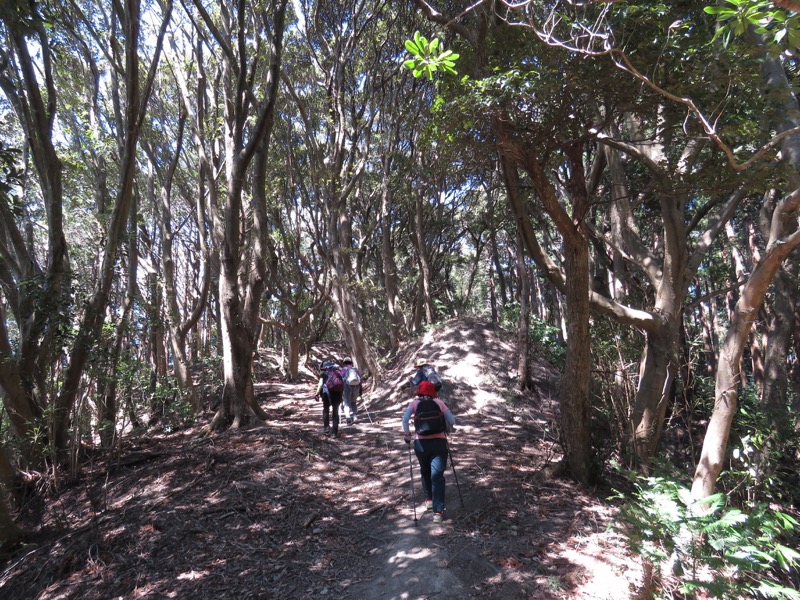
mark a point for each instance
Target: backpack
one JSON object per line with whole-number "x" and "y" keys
{"x": 351, "y": 376}
{"x": 428, "y": 417}
{"x": 333, "y": 380}
{"x": 430, "y": 374}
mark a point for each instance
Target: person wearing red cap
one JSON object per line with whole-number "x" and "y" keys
{"x": 432, "y": 421}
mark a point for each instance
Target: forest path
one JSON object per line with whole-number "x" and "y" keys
{"x": 517, "y": 534}
{"x": 407, "y": 556}
{"x": 278, "y": 511}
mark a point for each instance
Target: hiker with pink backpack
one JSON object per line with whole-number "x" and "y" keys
{"x": 329, "y": 390}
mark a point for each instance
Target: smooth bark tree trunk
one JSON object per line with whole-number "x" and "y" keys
{"x": 728, "y": 380}
{"x": 390, "y": 277}
{"x": 238, "y": 309}
{"x": 422, "y": 260}
{"x": 29, "y": 86}
{"x": 109, "y": 408}
{"x": 574, "y": 395}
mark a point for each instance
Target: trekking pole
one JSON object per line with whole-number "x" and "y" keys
{"x": 452, "y": 464}
{"x": 413, "y": 496}
{"x": 364, "y": 403}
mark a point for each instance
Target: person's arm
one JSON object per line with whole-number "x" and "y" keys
{"x": 414, "y": 381}
{"x": 449, "y": 417}
{"x": 406, "y": 420}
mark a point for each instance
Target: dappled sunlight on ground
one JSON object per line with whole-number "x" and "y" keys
{"x": 281, "y": 512}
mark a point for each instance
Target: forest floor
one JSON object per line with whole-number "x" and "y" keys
{"x": 280, "y": 511}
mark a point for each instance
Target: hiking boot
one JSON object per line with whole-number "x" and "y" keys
{"x": 350, "y": 420}
{"x": 428, "y": 504}
{"x": 327, "y": 431}
{"x": 438, "y": 517}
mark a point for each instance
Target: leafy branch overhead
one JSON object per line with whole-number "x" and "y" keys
{"x": 780, "y": 26}
{"x": 429, "y": 56}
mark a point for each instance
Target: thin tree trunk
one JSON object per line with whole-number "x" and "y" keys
{"x": 110, "y": 407}
{"x": 779, "y": 336}
{"x": 523, "y": 326}
{"x": 422, "y": 259}
{"x": 93, "y": 317}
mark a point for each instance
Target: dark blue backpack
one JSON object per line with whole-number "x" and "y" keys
{"x": 428, "y": 417}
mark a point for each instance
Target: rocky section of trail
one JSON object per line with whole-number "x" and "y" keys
{"x": 280, "y": 511}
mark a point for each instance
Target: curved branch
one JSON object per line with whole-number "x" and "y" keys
{"x": 621, "y": 60}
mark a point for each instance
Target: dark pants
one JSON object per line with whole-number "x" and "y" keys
{"x": 432, "y": 457}
{"x": 330, "y": 408}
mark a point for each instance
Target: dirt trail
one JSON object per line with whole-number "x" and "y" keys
{"x": 281, "y": 512}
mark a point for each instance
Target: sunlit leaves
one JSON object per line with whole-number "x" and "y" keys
{"x": 779, "y": 27}
{"x": 429, "y": 57}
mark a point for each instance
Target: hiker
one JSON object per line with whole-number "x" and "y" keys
{"x": 329, "y": 389}
{"x": 432, "y": 421}
{"x": 425, "y": 372}
{"x": 352, "y": 390}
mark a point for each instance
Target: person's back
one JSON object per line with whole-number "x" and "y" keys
{"x": 352, "y": 390}
{"x": 432, "y": 420}
{"x": 425, "y": 372}
{"x": 330, "y": 388}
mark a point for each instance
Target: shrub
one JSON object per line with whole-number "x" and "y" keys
{"x": 706, "y": 547}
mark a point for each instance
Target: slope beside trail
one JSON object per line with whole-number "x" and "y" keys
{"x": 280, "y": 511}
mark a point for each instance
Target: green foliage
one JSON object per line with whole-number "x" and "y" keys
{"x": 758, "y": 455}
{"x": 707, "y": 547}
{"x": 429, "y": 57}
{"x": 170, "y": 404}
{"x": 781, "y": 28}
{"x": 545, "y": 339}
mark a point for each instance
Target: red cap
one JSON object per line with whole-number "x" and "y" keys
{"x": 426, "y": 388}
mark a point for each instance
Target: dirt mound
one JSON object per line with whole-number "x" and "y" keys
{"x": 281, "y": 511}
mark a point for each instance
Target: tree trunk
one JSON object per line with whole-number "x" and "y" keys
{"x": 523, "y": 326}
{"x": 390, "y": 279}
{"x": 422, "y": 259}
{"x": 779, "y": 336}
{"x": 92, "y": 321}
{"x": 574, "y": 396}
{"x": 238, "y": 309}
{"x": 657, "y": 370}
{"x": 10, "y": 533}
{"x": 728, "y": 378}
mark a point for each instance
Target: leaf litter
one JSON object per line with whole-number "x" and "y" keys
{"x": 280, "y": 511}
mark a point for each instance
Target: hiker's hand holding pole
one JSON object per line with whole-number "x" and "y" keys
{"x": 407, "y": 438}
